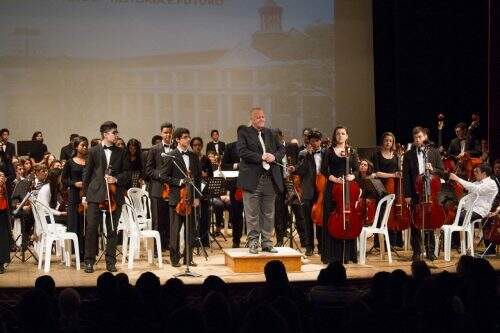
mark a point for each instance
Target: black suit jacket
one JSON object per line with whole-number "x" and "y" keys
{"x": 154, "y": 166}
{"x": 211, "y": 147}
{"x": 454, "y": 148}
{"x": 229, "y": 158}
{"x": 306, "y": 169}
{"x": 94, "y": 186}
{"x": 172, "y": 175}
{"x": 250, "y": 152}
{"x": 66, "y": 152}
{"x": 10, "y": 150}
{"x": 410, "y": 169}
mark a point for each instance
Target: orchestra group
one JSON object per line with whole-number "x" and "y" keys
{"x": 320, "y": 187}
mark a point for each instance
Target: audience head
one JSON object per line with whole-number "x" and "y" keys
{"x": 420, "y": 272}
{"x": 47, "y": 284}
{"x": 148, "y": 285}
{"x": 214, "y": 283}
{"x": 69, "y": 303}
{"x": 333, "y": 275}
{"x": 106, "y": 286}
{"x": 275, "y": 273}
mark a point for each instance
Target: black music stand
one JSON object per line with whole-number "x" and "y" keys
{"x": 214, "y": 187}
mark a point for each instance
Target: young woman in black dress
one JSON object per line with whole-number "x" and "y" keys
{"x": 72, "y": 179}
{"x": 334, "y": 167}
{"x": 386, "y": 166}
{"x": 134, "y": 155}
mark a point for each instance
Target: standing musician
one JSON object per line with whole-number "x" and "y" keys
{"x": 159, "y": 203}
{"x": 260, "y": 178}
{"x": 385, "y": 166}
{"x": 72, "y": 179}
{"x": 190, "y": 165}
{"x": 309, "y": 165}
{"x": 413, "y": 166}
{"x": 206, "y": 172}
{"x": 106, "y": 165}
{"x": 5, "y": 236}
{"x": 231, "y": 162}
{"x": 215, "y": 145}
{"x": 333, "y": 167}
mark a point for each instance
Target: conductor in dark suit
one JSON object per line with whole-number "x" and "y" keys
{"x": 260, "y": 178}
{"x": 189, "y": 163}
{"x": 413, "y": 166}
{"x": 215, "y": 145}
{"x": 8, "y": 148}
{"x": 68, "y": 150}
{"x": 154, "y": 163}
{"x": 105, "y": 163}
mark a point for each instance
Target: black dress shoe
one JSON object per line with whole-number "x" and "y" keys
{"x": 236, "y": 245}
{"x": 111, "y": 268}
{"x": 191, "y": 263}
{"x": 2, "y": 268}
{"x": 89, "y": 268}
{"x": 269, "y": 249}
{"x": 415, "y": 257}
{"x": 253, "y": 249}
{"x": 176, "y": 264}
{"x": 309, "y": 252}
{"x": 431, "y": 257}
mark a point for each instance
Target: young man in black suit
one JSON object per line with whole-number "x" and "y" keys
{"x": 260, "y": 178}
{"x": 413, "y": 166}
{"x": 215, "y": 145}
{"x": 154, "y": 162}
{"x": 68, "y": 150}
{"x": 105, "y": 163}
{"x": 462, "y": 144}
{"x": 170, "y": 173}
{"x": 8, "y": 147}
{"x": 231, "y": 162}
{"x": 309, "y": 165}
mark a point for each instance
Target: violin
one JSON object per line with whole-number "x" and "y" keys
{"x": 399, "y": 218}
{"x": 184, "y": 206}
{"x": 109, "y": 204}
{"x": 344, "y": 222}
{"x": 63, "y": 204}
{"x": 428, "y": 213}
{"x": 296, "y": 188}
{"x": 165, "y": 192}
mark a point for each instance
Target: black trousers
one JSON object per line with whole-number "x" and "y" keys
{"x": 455, "y": 237}
{"x": 204, "y": 223}
{"x": 218, "y": 206}
{"x": 416, "y": 239}
{"x": 75, "y": 224}
{"x": 176, "y": 222}
{"x": 160, "y": 217}
{"x": 94, "y": 222}
{"x": 280, "y": 216}
{"x": 236, "y": 217}
{"x": 309, "y": 227}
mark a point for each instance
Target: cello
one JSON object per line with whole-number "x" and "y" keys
{"x": 428, "y": 213}
{"x": 318, "y": 205}
{"x": 345, "y": 222}
{"x": 399, "y": 218}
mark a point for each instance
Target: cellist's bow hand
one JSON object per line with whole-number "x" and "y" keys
{"x": 454, "y": 177}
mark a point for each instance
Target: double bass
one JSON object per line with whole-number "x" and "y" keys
{"x": 345, "y": 222}
{"x": 428, "y": 213}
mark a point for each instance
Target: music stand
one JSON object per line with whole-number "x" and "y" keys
{"x": 214, "y": 188}
{"x": 32, "y": 148}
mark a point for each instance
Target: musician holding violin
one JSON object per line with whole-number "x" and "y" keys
{"x": 160, "y": 191}
{"x": 72, "y": 179}
{"x": 486, "y": 189}
{"x": 422, "y": 160}
{"x": 339, "y": 165}
{"x": 181, "y": 199}
{"x": 309, "y": 168}
{"x": 104, "y": 178}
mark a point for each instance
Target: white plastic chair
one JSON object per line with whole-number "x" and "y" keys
{"x": 139, "y": 199}
{"x": 134, "y": 234}
{"x": 373, "y": 229}
{"x": 467, "y": 203}
{"x": 50, "y": 233}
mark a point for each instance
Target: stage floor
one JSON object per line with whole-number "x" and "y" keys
{"x": 23, "y": 275}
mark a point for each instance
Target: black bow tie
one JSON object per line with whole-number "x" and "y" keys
{"x": 184, "y": 153}
{"x": 166, "y": 146}
{"x": 317, "y": 152}
{"x": 108, "y": 147}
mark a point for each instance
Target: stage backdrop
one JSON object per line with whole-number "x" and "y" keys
{"x": 68, "y": 65}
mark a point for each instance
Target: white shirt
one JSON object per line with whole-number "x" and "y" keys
{"x": 185, "y": 158}
{"x": 487, "y": 190}
{"x": 167, "y": 148}
{"x": 216, "y": 145}
{"x": 317, "y": 161}
{"x": 462, "y": 146}
{"x": 44, "y": 197}
{"x": 421, "y": 161}
{"x": 107, "y": 153}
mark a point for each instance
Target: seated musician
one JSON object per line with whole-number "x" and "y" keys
{"x": 495, "y": 209}
{"x": 50, "y": 194}
{"x": 461, "y": 145}
{"x": 485, "y": 186}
